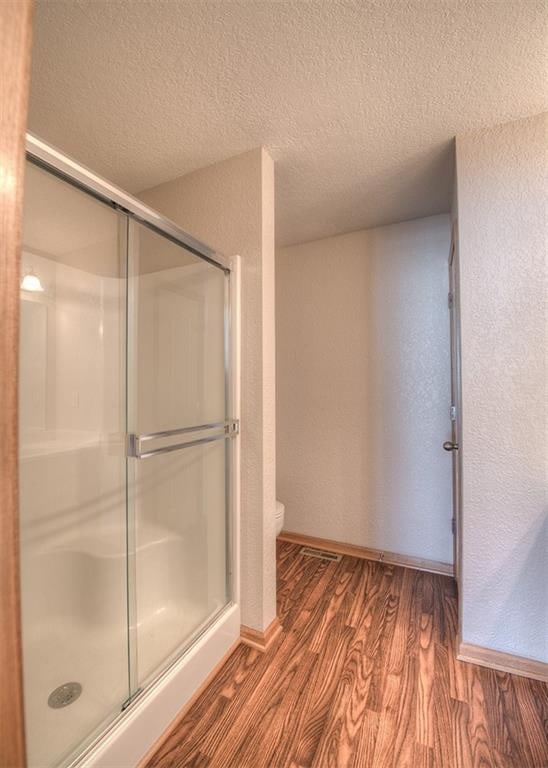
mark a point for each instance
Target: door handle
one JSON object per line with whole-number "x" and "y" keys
{"x": 230, "y": 428}
{"x": 449, "y": 446}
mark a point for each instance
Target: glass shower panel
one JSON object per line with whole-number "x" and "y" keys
{"x": 72, "y": 466}
{"x": 177, "y": 394}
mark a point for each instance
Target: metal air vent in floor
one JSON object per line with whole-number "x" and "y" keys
{"x": 321, "y": 553}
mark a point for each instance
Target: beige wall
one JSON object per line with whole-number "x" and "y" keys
{"x": 230, "y": 206}
{"x": 363, "y": 383}
{"x": 501, "y": 176}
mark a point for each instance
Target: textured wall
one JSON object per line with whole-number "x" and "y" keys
{"x": 501, "y": 175}
{"x": 363, "y": 383}
{"x": 230, "y": 207}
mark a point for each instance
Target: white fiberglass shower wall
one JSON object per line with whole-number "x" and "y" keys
{"x": 124, "y": 460}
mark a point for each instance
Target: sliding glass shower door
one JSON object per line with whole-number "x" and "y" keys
{"x": 72, "y": 466}
{"x": 124, "y": 466}
{"x": 177, "y": 411}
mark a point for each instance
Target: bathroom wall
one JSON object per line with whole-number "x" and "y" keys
{"x": 501, "y": 194}
{"x": 230, "y": 206}
{"x": 363, "y": 383}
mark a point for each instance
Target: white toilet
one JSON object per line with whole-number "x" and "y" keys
{"x": 280, "y": 514}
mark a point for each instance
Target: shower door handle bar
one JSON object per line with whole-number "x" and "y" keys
{"x": 182, "y": 431}
{"x": 179, "y": 446}
{"x": 230, "y": 430}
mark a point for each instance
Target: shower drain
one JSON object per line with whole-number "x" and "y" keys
{"x": 64, "y": 695}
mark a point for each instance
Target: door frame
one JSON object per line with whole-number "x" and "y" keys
{"x": 15, "y": 44}
{"x": 456, "y": 402}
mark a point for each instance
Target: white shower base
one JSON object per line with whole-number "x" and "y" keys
{"x": 53, "y": 645}
{"x": 132, "y": 737}
{"x": 49, "y": 727}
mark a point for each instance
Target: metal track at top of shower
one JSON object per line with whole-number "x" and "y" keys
{"x": 42, "y": 154}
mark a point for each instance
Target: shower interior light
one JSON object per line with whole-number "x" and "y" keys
{"x": 31, "y": 282}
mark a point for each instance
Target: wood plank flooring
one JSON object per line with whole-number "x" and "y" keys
{"x": 364, "y": 675}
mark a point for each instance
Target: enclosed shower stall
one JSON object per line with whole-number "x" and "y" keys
{"x": 126, "y": 462}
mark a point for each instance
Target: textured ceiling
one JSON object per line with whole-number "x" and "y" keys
{"x": 356, "y": 101}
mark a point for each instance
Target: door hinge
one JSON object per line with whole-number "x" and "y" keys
{"x": 450, "y": 300}
{"x": 453, "y": 413}
{"x": 453, "y": 526}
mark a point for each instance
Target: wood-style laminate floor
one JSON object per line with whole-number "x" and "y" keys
{"x": 364, "y": 675}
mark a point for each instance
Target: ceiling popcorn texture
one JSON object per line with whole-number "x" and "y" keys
{"x": 357, "y": 102}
